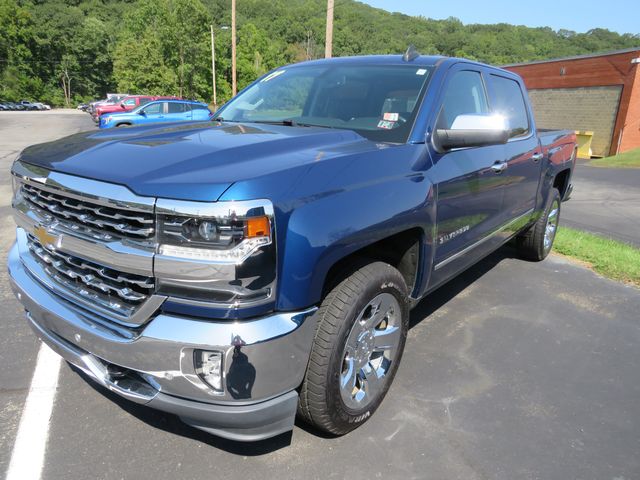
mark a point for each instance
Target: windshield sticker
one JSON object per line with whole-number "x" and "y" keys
{"x": 272, "y": 75}
{"x": 387, "y": 125}
{"x": 391, "y": 117}
{"x": 421, "y": 71}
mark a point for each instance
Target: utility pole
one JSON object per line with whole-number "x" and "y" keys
{"x": 213, "y": 69}
{"x": 328, "y": 44}
{"x": 234, "y": 86}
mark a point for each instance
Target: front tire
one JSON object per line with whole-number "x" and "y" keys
{"x": 360, "y": 337}
{"x": 535, "y": 244}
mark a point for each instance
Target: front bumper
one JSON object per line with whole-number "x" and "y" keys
{"x": 264, "y": 360}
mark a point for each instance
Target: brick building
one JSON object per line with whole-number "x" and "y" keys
{"x": 599, "y": 93}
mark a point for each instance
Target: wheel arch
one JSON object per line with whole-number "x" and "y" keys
{"x": 561, "y": 181}
{"x": 401, "y": 250}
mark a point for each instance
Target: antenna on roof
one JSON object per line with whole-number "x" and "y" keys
{"x": 410, "y": 54}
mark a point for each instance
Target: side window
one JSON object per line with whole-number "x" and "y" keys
{"x": 509, "y": 102}
{"x": 465, "y": 95}
{"x": 153, "y": 109}
{"x": 176, "y": 107}
{"x": 129, "y": 102}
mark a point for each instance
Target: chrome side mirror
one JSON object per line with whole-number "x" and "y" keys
{"x": 472, "y": 130}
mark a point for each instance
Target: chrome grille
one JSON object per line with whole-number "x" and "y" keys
{"x": 85, "y": 217}
{"x": 117, "y": 292}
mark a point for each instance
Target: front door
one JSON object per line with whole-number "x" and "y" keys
{"x": 469, "y": 191}
{"x": 154, "y": 113}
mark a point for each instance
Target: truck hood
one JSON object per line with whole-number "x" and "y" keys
{"x": 191, "y": 161}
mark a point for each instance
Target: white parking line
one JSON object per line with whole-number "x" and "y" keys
{"x": 27, "y": 458}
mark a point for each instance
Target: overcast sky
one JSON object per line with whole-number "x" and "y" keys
{"x": 621, "y": 16}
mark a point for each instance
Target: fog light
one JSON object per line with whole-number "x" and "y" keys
{"x": 209, "y": 368}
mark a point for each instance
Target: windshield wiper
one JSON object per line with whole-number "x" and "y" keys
{"x": 220, "y": 119}
{"x": 288, "y": 123}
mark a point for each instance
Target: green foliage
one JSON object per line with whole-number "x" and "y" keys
{"x": 613, "y": 259}
{"x": 628, "y": 159}
{"x": 90, "y": 47}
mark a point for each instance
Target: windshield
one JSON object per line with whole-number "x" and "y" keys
{"x": 379, "y": 102}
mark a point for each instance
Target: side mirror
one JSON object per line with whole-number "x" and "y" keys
{"x": 142, "y": 112}
{"x": 122, "y": 106}
{"x": 475, "y": 130}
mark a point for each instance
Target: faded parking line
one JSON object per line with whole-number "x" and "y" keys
{"x": 27, "y": 458}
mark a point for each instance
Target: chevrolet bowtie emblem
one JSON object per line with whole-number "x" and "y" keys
{"x": 44, "y": 237}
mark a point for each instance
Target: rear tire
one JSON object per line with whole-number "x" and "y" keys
{"x": 360, "y": 337}
{"x": 535, "y": 244}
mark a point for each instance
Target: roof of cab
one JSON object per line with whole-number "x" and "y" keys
{"x": 426, "y": 60}
{"x": 421, "y": 60}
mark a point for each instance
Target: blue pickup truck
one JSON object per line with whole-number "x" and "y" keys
{"x": 240, "y": 271}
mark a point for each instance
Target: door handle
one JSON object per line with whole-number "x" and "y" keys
{"x": 536, "y": 157}
{"x": 499, "y": 167}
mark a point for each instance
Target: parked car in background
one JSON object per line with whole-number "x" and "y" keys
{"x": 15, "y": 106}
{"x": 28, "y": 105}
{"x": 42, "y": 106}
{"x": 4, "y": 107}
{"x": 125, "y": 105}
{"x": 238, "y": 271}
{"x": 111, "y": 99}
{"x": 158, "y": 111}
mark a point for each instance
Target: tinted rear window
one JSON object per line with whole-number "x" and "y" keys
{"x": 508, "y": 101}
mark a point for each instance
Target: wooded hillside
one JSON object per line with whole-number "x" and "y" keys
{"x": 61, "y": 52}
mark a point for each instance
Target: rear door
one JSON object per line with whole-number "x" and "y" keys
{"x": 469, "y": 192}
{"x": 522, "y": 152}
{"x": 200, "y": 112}
{"x": 177, "y": 112}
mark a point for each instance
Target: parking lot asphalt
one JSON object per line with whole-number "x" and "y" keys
{"x": 514, "y": 370}
{"x": 605, "y": 201}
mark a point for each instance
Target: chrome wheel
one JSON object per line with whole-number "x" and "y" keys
{"x": 552, "y": 225}
{"x": 371, "y": 348}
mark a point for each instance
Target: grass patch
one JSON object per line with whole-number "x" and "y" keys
{"x": 610, "y": 258}
{"x": 630, "y": 159}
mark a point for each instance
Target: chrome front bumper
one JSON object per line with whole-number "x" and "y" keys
{"x": 264, "y": 360}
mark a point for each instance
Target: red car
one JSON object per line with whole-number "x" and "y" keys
{"x": 127, "y": 103}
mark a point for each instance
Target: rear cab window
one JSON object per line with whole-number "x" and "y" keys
{"x": 507, "y": 100}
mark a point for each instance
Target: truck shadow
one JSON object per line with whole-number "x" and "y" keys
{"x": 443, "y": 294}
{"x": 172, "y": 424}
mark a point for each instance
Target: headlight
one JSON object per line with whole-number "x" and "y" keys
{"x": 106, "y": 120}
{"x": 221, "y": 253}
{"x": 229, "y": 233}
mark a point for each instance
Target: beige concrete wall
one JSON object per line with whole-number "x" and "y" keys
{"x": 589, "y": 108}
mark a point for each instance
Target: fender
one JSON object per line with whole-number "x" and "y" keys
{"x": 342, "y": 205}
